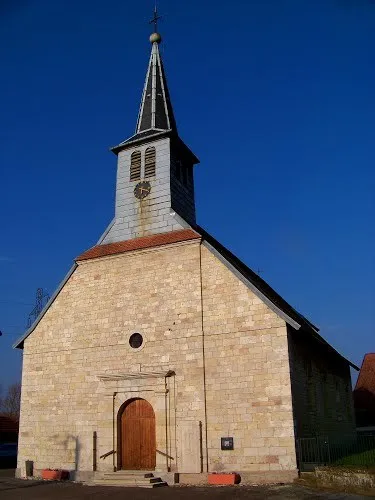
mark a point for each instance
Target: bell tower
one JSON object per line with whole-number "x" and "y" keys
{"x": 155, "y": 181}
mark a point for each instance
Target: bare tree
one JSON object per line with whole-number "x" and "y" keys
{"x": 10, "y": 404}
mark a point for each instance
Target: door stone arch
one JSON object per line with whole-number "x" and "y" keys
{"x": 136, "y": 435}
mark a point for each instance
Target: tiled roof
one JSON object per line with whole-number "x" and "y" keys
{"x": 364, "y": 392}
{"x": 139, "y": 244}
{"x": 8, "y": 424}
{"x": 366, "y": 378}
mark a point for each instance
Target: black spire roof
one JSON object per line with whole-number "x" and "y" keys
{"x": 155, "y": 113}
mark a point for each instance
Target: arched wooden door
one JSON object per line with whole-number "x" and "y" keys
{"x": 138, "y": 436}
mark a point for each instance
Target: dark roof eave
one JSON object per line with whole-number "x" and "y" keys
{"x": 194, "y": 159}
{"x": 271, "y": 294}
{"x": 257, "y": 281}
{"x": 329, "y": 347}
{"x": 134, "y": 140}
{"x": 142, "y": 139}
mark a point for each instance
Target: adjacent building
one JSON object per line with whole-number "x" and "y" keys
{"x": 364, "y": 396}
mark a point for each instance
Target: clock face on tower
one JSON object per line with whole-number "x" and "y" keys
{"x": 142, "y": 189}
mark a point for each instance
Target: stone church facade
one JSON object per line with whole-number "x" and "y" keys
{"x": 161, "y": 350}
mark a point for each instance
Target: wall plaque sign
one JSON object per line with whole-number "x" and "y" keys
{"x": 227, "y": 443}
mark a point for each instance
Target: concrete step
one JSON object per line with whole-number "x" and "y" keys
{"x": 130, "y": 480}
{"x": 123, "y": 473}
{"x": 129, "y": 485}
{"x": 139, "y": 479}
{"x": 306, "y": 475}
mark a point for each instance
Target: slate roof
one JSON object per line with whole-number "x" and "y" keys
{"x": 156, "y": 112}
{"x": 268, "y": 292}
{"x": 364, "y": 392}
{"x": 259, "y": 283}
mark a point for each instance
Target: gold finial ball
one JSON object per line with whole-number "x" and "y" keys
{"x": 155, "y": 38}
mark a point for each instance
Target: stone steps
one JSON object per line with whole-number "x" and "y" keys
{"x": 130, "y": 479}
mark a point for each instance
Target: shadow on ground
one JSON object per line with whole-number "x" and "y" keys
{"x": 16, "y": 489}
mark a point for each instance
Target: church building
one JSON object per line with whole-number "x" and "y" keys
{"x": 161, "y": 351}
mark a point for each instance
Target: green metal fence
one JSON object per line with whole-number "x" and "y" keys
{"x": 353, "y": 450}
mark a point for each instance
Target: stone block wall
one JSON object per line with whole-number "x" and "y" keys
{"x": 228, "y": 350}
{"x": 247, "y": 376}
{"x": 85, "y": 333}
{"x": 322, "y": 390}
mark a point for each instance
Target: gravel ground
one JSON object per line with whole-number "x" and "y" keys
{"x": 17, "y": 489}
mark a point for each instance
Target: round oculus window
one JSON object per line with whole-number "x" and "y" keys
{"x": 136, "y": 340}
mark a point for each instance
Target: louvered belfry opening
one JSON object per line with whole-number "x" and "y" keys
{"x": 150, "y": 162}
{"x": 135, "y": 166}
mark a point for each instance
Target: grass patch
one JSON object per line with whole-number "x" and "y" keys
{"x": 364, "y": 459}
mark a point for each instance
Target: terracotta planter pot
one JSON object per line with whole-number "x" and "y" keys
{"x": 224, "y": 478}
{"x": 55, "y": 475}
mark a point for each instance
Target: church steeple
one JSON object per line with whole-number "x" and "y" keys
{"x": 156, "y": 112}
{"x": 155, "y": 181}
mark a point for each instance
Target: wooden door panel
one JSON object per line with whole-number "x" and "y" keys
{"x": 148, "y": 445}
{"x": 131, "y": 443}
{"x": 138, "y": 438}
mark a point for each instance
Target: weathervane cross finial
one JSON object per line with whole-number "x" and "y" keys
{"x": 155, "y": 19}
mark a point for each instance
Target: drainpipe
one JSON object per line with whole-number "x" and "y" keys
{"x": 203, "y": 355}
{"x": 166, "y": 390}
{"x": 113, "y": 431}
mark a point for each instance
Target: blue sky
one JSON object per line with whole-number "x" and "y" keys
{"x": 276, "y": 97}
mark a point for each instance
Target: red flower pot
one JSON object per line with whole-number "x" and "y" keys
{"x": 55, "y": 474}
{"x": 224, "y": 478}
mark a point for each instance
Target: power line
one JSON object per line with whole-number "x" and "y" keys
{"x": 42, "y": 297}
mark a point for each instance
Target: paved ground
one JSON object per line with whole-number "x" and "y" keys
{"x": 15, "y": 489}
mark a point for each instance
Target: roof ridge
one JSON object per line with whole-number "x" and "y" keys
{"x": 268, "y": 292}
